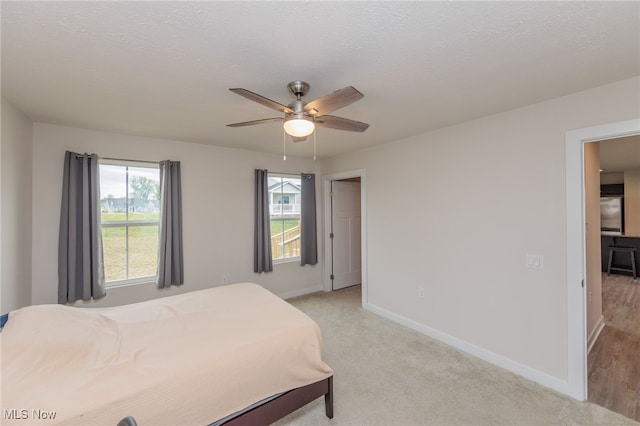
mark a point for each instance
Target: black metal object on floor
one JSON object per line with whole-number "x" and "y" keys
{"x": 619, "y": 249}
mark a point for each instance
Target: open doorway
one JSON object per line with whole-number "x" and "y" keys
{"x": 344, "y": 196}
{"x": 612, "y": 176}
{"x": 345, "y": 233}
{"x": 576, "y": 246}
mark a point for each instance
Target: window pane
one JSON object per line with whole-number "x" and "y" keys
{"x": 276, "y": 238}
{"x": 129, "y": 193}
{"x": 143, "y": 251}
{"x": 144, "y": 193}
{"x": 284, "y": 204}
{"x": 113, "y": 194}
{"x": 285, "y": 238}
{"x": 114, "y": 248}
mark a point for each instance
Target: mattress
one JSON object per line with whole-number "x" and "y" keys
{"x": 187, "y": 359}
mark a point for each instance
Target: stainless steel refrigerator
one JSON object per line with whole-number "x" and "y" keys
{"x": 611, "y": 214}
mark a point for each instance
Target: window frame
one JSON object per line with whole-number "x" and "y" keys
{"x": 280, "y": 203}
{"x": 126, "y": 224}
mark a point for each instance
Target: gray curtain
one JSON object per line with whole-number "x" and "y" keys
{"x": 80, "y": 261}
{"x": 170, "y": 258}
{"x": 308, "y": 234}
{"x": 262, "y": 261}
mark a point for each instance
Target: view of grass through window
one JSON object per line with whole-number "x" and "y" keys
{"x": 130, "y": 215}
{"x": 284, "y": 208}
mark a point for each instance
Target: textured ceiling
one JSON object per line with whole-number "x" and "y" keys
{"x": 163, "y": 69}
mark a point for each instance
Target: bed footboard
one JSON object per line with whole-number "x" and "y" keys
{"x": 287, "y": 403}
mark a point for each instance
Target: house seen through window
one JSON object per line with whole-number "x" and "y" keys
{"x": 284, "y": 210}
{"x": 130, "y": 219}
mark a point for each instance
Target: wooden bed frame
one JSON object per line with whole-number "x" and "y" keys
{"x": 286, "y": 403}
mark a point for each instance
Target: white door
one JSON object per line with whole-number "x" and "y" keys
{"x": 345, "y": 227}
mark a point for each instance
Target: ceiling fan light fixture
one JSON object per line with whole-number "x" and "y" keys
{"x": 299, "y": 125}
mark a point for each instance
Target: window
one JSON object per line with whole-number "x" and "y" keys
{"x": 284, "y": 210}
{"x": 130, "y": 219}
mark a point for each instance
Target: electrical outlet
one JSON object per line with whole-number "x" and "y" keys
{"x": 225, "y": 279}
{"x": 422, "y": 292}
{"x": 535, "y": 261}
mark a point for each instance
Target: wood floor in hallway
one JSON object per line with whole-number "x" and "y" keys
{"x": 614, "y": 360}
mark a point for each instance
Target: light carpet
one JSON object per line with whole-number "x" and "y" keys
{"x": 387, "y": 374}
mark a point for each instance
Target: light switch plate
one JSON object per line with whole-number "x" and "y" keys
{"x": 535, "y": 261}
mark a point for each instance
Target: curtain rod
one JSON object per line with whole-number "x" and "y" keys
{"x": 127, "y": 159}
{"x": 120, "y": 159}
{"x": 289, "y": 173}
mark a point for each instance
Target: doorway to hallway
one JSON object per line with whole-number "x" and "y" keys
{"x": 345, "y": 234}
{"x": 351, "y": 246}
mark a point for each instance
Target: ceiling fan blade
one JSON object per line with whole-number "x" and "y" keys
{"x": 340, "y": 123}
{"x": 262, "y": 100}
{"x": 251, "y": 123}
{"x": 328, "y": 103}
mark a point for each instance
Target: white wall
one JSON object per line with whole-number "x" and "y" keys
{"x": 218, "y": 188}
{"x": 15, "y": 153}
{"x": 476, "y": 198}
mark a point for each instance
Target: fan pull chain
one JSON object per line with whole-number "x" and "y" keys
{"x": 315, "y": 131}
{"x": 284, "y": 145}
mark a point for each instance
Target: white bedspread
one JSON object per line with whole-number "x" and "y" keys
{"x": 188, "y": 359}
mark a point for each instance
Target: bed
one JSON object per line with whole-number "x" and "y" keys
{"x": 235, "y": 354}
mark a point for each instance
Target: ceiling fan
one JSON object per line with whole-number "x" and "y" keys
{"x": 300, "y": 117}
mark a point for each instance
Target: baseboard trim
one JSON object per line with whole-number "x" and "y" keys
{"x": 300, "y": 292}
{"x": 501, "y": 361}
{"x": 595, "y": 333}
